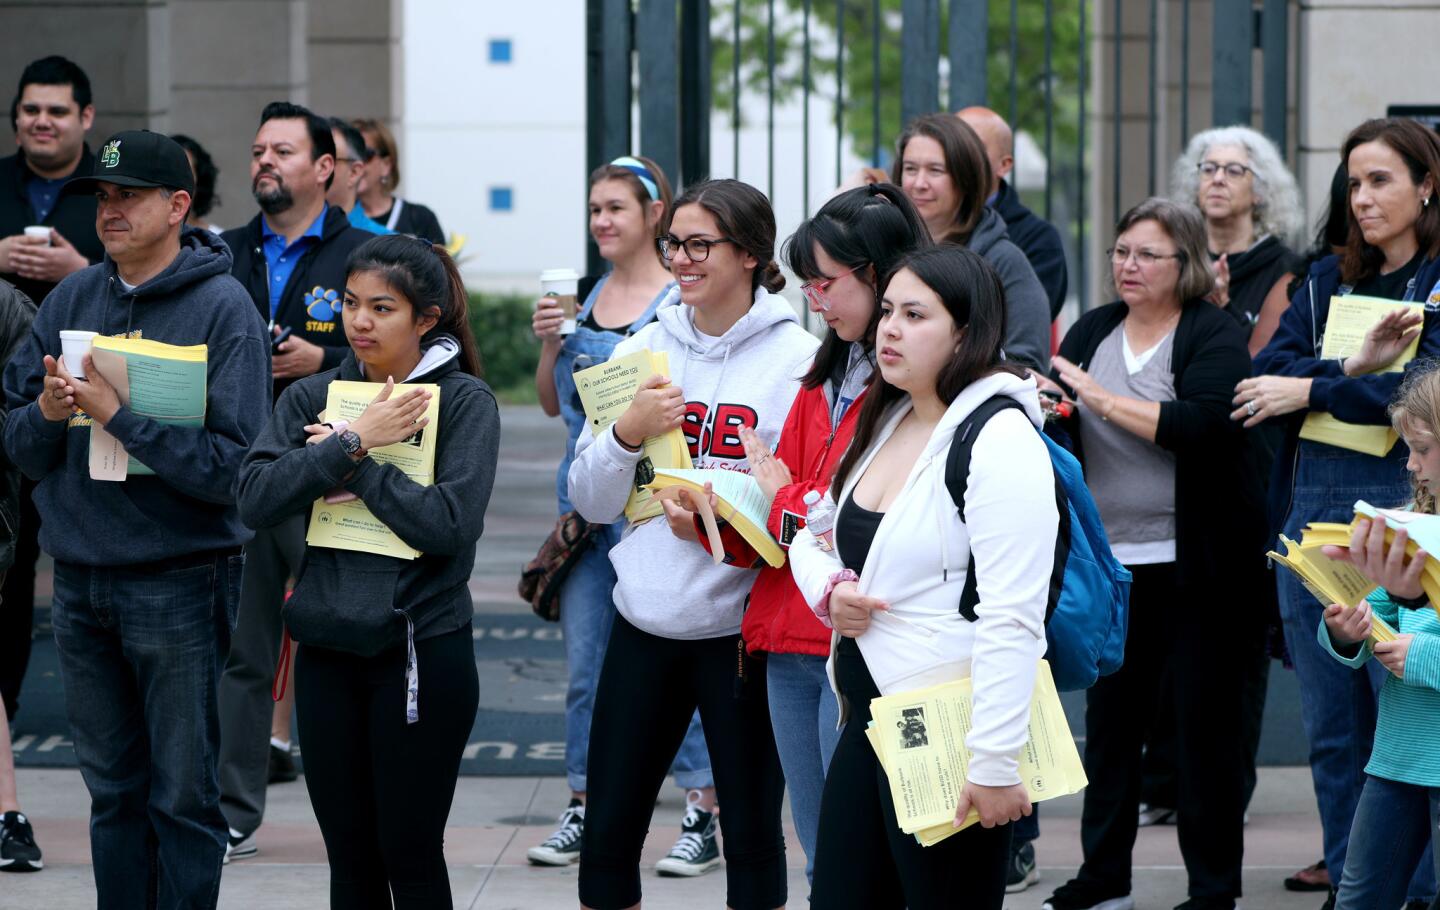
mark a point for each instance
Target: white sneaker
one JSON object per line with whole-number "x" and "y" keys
{"x": 240, "y": 846}
{"x": 563, "y": 847}
{"x": 697, "y": 851}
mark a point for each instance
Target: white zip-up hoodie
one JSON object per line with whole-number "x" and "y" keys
{"x": 920, "y": 556}
{"x": 748, "y": 377}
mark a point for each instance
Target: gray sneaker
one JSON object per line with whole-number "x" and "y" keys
{"x": 697, "y": 851}
{"x": 1021, "y": 873}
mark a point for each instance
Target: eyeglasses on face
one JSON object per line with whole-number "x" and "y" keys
{"x": 1234, "y": 170}
{"x": 816, "y": 291}
{"x": 696, "y": 248}
{"x": 1145, "y": 258}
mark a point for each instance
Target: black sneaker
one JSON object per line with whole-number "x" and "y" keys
{"x": 282, "y": 766}
{"x": 563, "y": 847}
{"x": 1074, "y": 896}
{"x": 1021, "y": 873}
{"x": 240, "y": 846}
{"x": 1208, "y": 903}
{"x": 18, "y": 851}
{"x": 697, "y": 851}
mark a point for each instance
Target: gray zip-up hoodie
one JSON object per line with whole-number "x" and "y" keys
{"x": 188, "y": 506}
{"x": 1027, "y": 308}
{"x": 747, "y": 377}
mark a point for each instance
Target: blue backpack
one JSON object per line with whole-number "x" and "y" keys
{"x": 1089, "y": 603}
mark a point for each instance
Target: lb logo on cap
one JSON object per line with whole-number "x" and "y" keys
{"x": 110, "y": 154}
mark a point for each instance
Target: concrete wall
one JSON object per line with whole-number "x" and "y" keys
{"x": 208, "y": 67}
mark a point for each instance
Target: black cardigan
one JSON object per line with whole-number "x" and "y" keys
{"x": 1220, "y": 527}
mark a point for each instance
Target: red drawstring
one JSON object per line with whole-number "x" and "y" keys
{"x": 282, "y": 669}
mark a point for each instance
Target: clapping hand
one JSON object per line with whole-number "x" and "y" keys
{"x": 768, "y": 471}
{"x": 1387, "y": 339}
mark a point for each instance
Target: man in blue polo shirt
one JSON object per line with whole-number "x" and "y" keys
{"x": 291, "y": 257}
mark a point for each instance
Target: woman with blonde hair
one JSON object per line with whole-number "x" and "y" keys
{"x": 1252, "y": 213}
{"x": 382, "y": 179}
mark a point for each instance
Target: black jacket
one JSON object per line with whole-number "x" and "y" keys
{"x": 16, "y": 315}
{"x": 1038, "y": 240}
{"x": 311, "y": 316}
{"x": 414, "y": 218}
{"x": 1220, "y": 526}
{"x": 73, "y": 216}
{"x": 282, "y": 477}
{"x": 1252, "y": 274}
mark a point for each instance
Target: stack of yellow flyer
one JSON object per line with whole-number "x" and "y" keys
{"x": 606, "y": 391}
{"x": 740, "y": 502}
{"x": 1332, "y": 581}
{"x": 920, "y": 740}
{"x": 1350, "y": 318}
{"x": 164, "y": 382}
{"x": 349, "y": 525}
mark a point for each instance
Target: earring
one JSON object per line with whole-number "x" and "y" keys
{"x": 1426, "y": 203}
{"x": 385, "y": 180}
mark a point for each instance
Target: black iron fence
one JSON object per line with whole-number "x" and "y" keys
{"x": 687, "y": 67}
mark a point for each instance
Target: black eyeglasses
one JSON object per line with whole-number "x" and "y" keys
{"x": 697, "y": 248}
{"x": 1234, "y": 170}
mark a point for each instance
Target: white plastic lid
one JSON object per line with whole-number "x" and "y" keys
{"x": 812, "y": 497}
{"x": 559, "y": 275}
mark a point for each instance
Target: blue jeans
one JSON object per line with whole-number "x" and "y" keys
{"x": 141, "y": 652}
{"x": 586, "y": 615}
{"x": 1338, "y": 705}
{"x": 1393, "y": 826}
{"x": 804, "y": 715}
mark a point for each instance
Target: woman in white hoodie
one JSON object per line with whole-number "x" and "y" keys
{"x": 891, "y": 587}
{"x": 736, "y": 353}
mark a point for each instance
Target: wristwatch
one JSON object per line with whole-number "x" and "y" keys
{"x": 350, "y": 442}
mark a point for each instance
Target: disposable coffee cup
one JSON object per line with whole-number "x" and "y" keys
{"x": 562, "y": 285}
{"x": 40, "y": 232}
{"x": 74, "y": 345}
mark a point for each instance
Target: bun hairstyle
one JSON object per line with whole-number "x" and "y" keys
{"x": 1419, "y": 149}
{"x": 866, "y": 229}
{"x": 424, "y": 274}
{"x": 743, "y": 214}
{"x": 646, "y": 180}
{"x": 971, "y": 291}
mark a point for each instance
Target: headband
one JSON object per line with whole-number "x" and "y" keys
{"x": 636, "y": 167}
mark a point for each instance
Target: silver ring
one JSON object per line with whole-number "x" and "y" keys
{"x": 1250, "y": 407}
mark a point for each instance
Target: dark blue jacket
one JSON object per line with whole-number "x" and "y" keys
{"x": 1038, "y": 240}
{"x": 1295, "y": 351}
{"x": 188, "y": 505}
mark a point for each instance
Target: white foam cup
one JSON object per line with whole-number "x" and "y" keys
{"x": 74, "y": 345}
{"x": 39, "y": 231}
{"x": 563, "y": 285}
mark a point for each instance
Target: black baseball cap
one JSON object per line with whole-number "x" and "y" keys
{"x": 138, "y": 158}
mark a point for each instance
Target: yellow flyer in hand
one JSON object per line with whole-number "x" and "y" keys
{"x": 919, "y": 738}
{"x": 606, "y": 391}
{"x": 1350, "y": 318}
{"x": 347, "y": 524}
{"x": 739, "y": 499}
{"x": 1331, "y": 581}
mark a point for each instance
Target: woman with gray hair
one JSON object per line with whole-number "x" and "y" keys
{"x": 1252, "y": 212}
{"x": 1180, "y": 495}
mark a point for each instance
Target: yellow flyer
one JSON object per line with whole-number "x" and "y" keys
{"x": 919, "y": 738}
{"x": 606, "y": 391}
{"x": 347, "y": 524}
{"x": 1350, "y": 318}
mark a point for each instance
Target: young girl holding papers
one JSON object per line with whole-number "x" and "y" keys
{"x": 385, "y": 679}
{"x": 1399, "y": 805}
{"x": 736, "y": 354}
{"x": 891, "y": 586}
{"x": 843, "y": 255}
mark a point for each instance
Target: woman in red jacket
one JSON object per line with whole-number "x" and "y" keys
{"x": 843, "y": 255}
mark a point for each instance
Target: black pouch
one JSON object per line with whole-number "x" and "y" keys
{"x": 346, "y": 605}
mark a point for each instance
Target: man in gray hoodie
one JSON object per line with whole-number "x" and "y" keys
{"x": 147, "y": 570}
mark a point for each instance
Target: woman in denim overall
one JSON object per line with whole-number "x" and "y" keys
{"x": 1394, "y": 253}
{"x": 627, "y": 197}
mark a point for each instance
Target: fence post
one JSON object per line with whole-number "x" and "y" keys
{"x": 607, "y": 92}
{"x": 694, "y": 92}
{"x": 919, "y": 58}
{"x": 1274, "y": 41}
{"x": 657, "y": 39}
{"x": 969, "y": 26}
{"x": 1234, "y": 43}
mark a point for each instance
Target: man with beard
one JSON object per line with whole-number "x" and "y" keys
{"x": 291, "y": 257}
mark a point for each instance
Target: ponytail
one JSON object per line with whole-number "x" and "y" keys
{"x": 455, "y": 318}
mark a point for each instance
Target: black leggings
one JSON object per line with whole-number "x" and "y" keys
{"x": 649, "y": 689}
{"x": 382, "y": 788}
{"x": 862, "y": 858}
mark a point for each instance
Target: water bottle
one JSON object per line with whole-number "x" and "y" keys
{"x": 820, "y": 518}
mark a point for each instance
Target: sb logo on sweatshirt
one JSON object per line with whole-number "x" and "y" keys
{"x": 720, "y": 437}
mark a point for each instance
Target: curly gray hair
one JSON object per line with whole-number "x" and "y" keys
{"x": 1277, "y": 198}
